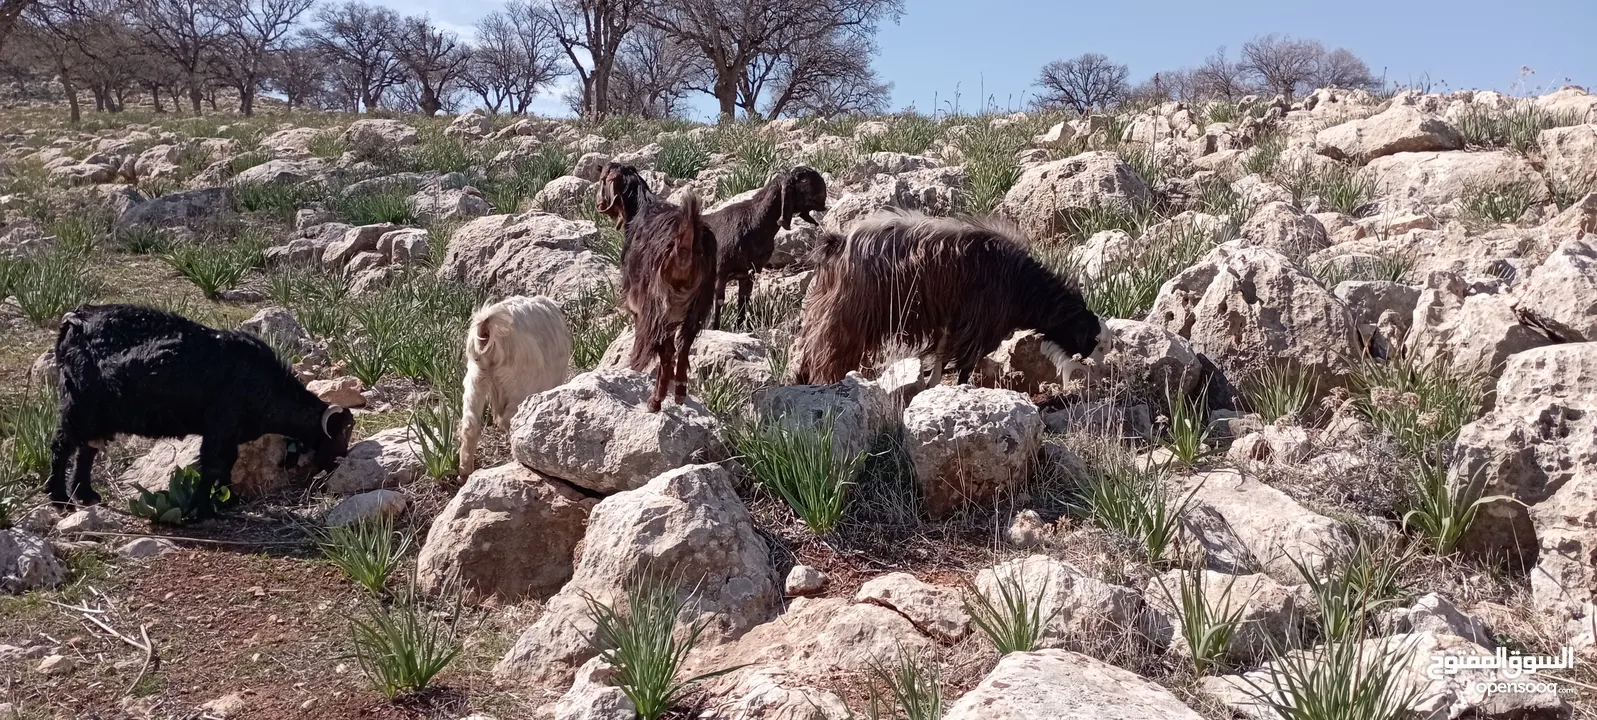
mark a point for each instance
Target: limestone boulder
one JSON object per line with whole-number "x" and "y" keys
{"x": 687, "y": 524}
{"x": 189, "y": 208}
{"x": 1428, "y": 180}
{"x": 595, "y": 432}
{"x": 936, "y": 611}
{"x": 857, "y": 410}
{"x": 443, "y": 205}
{"x": 1569, "y": 156}
{"x": 739, "y": 357}
{"x": 564, "y": 195}
{"x": 820, "y": 637}
{"x": 1272, "y": 528}
{"x": 1561, "y": 293}
{"x": 264, "y": 466}
{"x": 1401, "y": 128}
{"x": 366, "y": 507}
{"x": 1284, "y": 228}
{"x": 1146, "y": 357}
{"x": 1044, "y": 193}
{"x": 1061, "y": 685}
{"x": 970, "y": 446}
{"x": 368, "y": 137}
{"x": 1079, "y": 606}
{"x": 528, "y": 254}
{"x": 773, "y": 694}
{"x": 508, "y": 532}
{"x": 388, "y": 459}
{"x": 933, "y": 191}
{"x": 1472, "y": 333}
{"x": 1268, "y": 614}
{"x": 28, "y": 562}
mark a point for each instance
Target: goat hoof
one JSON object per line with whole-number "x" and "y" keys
{"x": 654, "y": 405}
{"x": 86, "y": 498}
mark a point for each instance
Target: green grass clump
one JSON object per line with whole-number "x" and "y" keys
{"x": 433, "y": 425}
{"x": 1267, "y": 152}
{"x": 1342, "y": 189}
{"x": 1207, "y": 630}
{"x": 279, "y": 200}
{"x": 440, "y": 153}
{"x": 832, "y": 161}
{"x": 990, "y": 163}
{"x": 1009, "y": 615}
{"x": 595, "y": 324}
{"x": 1131, "y": 501}
{"x": 1504, "y": 203}
{"x": 1390, "y": 266}
{"x": 910, "y": 133}
{"x": 368, "y": 552}
{"x": 27, "y": 425}
{"x": 1126, "y": 287}
{"x": 1341, "y": 680}
{"x": 800, "y": 465}
{"x": 326, "y": 145}
{"x": 526, "y": 176}
{"x": 48, "y": 285}
{"x": 244, "y": 161}
{"x": 400, "y": 647}
{"x": 1084, "y": 222}
{"x": 1439, "y": 510}
{"x": 215, "y": 268}
{"x": 80, "y": 233}
{"x": 1517, "y": 127}
{"x": 684, "y": 155}
{"x": 913, "y": 690}
{"x": 646, "y": 647}
{"x": 386, "y": 205}
{"x": 1276, "y": 392}
{"x": 757, "y": 159}
{"x": 1419, "y": 405}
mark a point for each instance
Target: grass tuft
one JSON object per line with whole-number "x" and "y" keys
{"x": 1135, "y": 502}
{"x": 684, "y": 155}
{"x": 400, "y": 648}
{"x": 1277, "y": 392}
{"x": 1206, "y": 630}
{"x": 801, "y": 467}
{"x": 1011, "y": 618}
{"x": 215, "y": 268}
{"x": 368, "y": 552}
{"x": 1504, "y": 203}
{"x": 1420, "y": 405}
{"x": 913, "y": 689}
{"x": 645, "y": 646}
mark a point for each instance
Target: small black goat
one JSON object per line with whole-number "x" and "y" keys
{"x": 133, "y": 370}
{"x": 667, "y": 277}
{"x": 952, "y": 288}
{"x": 622, "y": 192}
{"x": 746, "y": 230}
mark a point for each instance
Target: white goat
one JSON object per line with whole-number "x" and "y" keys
{"x": 516, "y": 348}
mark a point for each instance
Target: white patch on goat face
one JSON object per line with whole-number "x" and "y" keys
{"x": 1106, "y": 337}
{"x": 1067, "y": 365}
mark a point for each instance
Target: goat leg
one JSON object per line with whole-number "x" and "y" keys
{"x": 681, "y": 374}
{"x": 217, "y": 455}
{"x": 720, "y": 301}
{"x": 745, "y": 289}
{"x": 60, "y": 456}
{"x": 662, "y": 382}
{"x": 82, "y": 477}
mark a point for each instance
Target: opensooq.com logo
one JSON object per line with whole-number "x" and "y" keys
{"x": 1511, "y": 672}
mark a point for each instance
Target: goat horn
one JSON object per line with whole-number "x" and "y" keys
{"x": 328, "y": 415}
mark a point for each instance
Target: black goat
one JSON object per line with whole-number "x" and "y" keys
{"x": 746, "y": 230}
{"x": 667, "y": 276}
{"x": 133, "y": 370}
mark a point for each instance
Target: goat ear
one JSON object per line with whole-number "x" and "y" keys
{"x": 781, "y": 195}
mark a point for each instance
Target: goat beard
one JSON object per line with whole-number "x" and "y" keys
{"x": 1069, "y": 364}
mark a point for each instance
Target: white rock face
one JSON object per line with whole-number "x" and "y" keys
{"x": 145, "y": 547}
{"x": 1569, "y": 155}
{"x": 528, "y": 254}
{"x": 28, "y": 562}
{"x": 1060, "y": 685}
{"x": 804, "y": 580}
{"x": 970, "y": 446}
{"x": 595, "y": 696}
{"x": 1402, "y": 128}
{"x": 1284, "y": 228}
{"x": 818, "y": 638}
{"x": 1045, "y": 192}
{"x": 1561, "y": 293}
{"x": 1422, "y": 180}
{"x": 379, "y": 134}
{"x": 1274, "y": 528}
{"x": 936, "y": 611}
{"x": 95, "y": 519}
{"x": 771, "y": 694}
{"x": 739, "y": 357}
{"x": 1434, "y": 613}
{"x": 385, "y": 460}
{"x": 688, "y": 522}
{"x": 1471, "y": 333}
{"x": 595, "y": 432}
{"x": 1147, "y": 356}
{"x": 508, "y": 532}
{"x": 563, "y": 195}
{"x": 934, "y": 191}
{"x": 857, "y": 409}
{"x": 1239, "y": 305}
{"x": 1080, "y": 606}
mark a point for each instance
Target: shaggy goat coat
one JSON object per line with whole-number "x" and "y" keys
{"x": 667, "y": 283}
{"x": 515, "y": 348}
{"x": 952, "y": 288}
{"x": 746, "y": 230}
{"x": 138, "y": 371}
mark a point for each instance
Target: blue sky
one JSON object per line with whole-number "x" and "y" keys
{"x": 998, "y": 45}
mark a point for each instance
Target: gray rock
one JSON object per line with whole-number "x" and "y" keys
{"x": 936, "y": 611}
{"x": 367, "y": 506}
{"x": 1043, "y": 194}
{"x": 805, "y": 580}
{"x": 28, "y": 562}
{"x": 385, "y": 460}
{"x": 970, "y": 446}
{"x": 189, "y": 208}
{"x": 1060, "y": 685}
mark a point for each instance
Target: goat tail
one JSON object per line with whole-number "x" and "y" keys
{"x": 692, "y": 221}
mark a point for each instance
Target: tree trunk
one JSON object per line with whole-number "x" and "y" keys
{"x": 76, "y": 113}
{"x": 99, "y": 97}
{"x": 195, "y": 98}
{"x": 601, "y": 89}
{"x": 726, "y": 91}
{"x": 155, "y": 98}
{"x": 246, "y": 100}
{"x": 429, "y": 102}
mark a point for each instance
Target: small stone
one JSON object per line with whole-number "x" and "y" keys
{"x": 56, "y": 665}
{"x": 368, "y": 506}
{"x": 230, "y": 705}
{"x": 146, "y": 547}
{"x": 94, "y": 519}
{"x": 1028, "y": 530}
{"x": 805, "y": 580}
{"x": 342, "y": 391}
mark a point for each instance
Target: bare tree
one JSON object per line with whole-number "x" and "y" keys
{"x": 591, "y": 33}
{"x": 732, "y": 35}
{"x": 1341, "y": 68}
{"x": 185, "y": 33}
{"x": 10, "y": 12}
{"x": 516, "y": 56}
{"x": 1283, "y": 64}
{"x": 256, "y": 29}
{"x": 651, "y": 74}
{"x": 1085, "y": 82}
{"x": 299, "y": 73}
{"x": 1221, "y": 78}
{"x": 356, "y": 36}
{"x": 828, "y": 76}
{"x": 435, "y": 59}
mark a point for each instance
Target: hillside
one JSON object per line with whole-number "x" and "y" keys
{"x": 1344, "y": 421}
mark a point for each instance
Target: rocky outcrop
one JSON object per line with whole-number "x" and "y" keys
{"x": 970, "y": 446}
{"x": 28, "y": 562}
{"x": 528, "y": 254}
{"x": 1274, "y": 529}
{"x": 1044, "y": 193}
{"x": 1561, "y": 293}
{"x": 1060, "y": 685}
{"x": 1401, "y": 128}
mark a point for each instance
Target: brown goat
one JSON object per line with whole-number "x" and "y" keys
{"x": 622, "y": 192}
{"x": 746, "y": 230}
{"x": 668, "y": 275}
{"x": 952, "y": 288}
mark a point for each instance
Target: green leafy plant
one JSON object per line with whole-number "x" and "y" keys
{"x": 326, "y": 145}
{"x": 281, "y": 200}
{"x": 215, "y": 268}
{"x": 1084, "y": 222}
{"x": 1266, "y": 153}
{"x": 1011, "y": 617}
{"x": 181, "y": 502}
{"x": 1342, "y": 189}
{"x": 684, "y": 155}
{"x": 594, "y": 325}
{"x": 49, "y": 285}
{"x": 1278, "y": 391}
{"x": 645, "y": 645}
{"x": 27, "y": 426}
{"x": 990, "y": 163}
{"x": 1340, "y": 680}
{"x": 433, "y": 427}
{"x": 909, "y": 133}
{"x": 368, "y": 551}
{"x": 801, "y": 466}
{"x": 1419, "y": 404}
{"x": 385, "y": 205}
{"x": 913, "y": 690}
{"x": 1186, "y": 430}
{"x": 1439, "y": 510}
{"x": 1359, "y": 582}
{"x": 400, "y": 648}
{"x": 1207, "y": 630}
{"x": 1389, "y": 266}
{"x": 1503, "y": 203}
{"x": 832, "y": 161}
{"x": 1127, "y": 499}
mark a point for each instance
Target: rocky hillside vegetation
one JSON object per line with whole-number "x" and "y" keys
{"x": 1347, "y": 422}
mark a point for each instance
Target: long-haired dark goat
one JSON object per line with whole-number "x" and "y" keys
{"x": 137, "y": 371}
{"x": 746, "y": 230}
{"x": 667, "y": 279}
{"x": 954, "y": 288}
{"x": 622, "y": 193}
